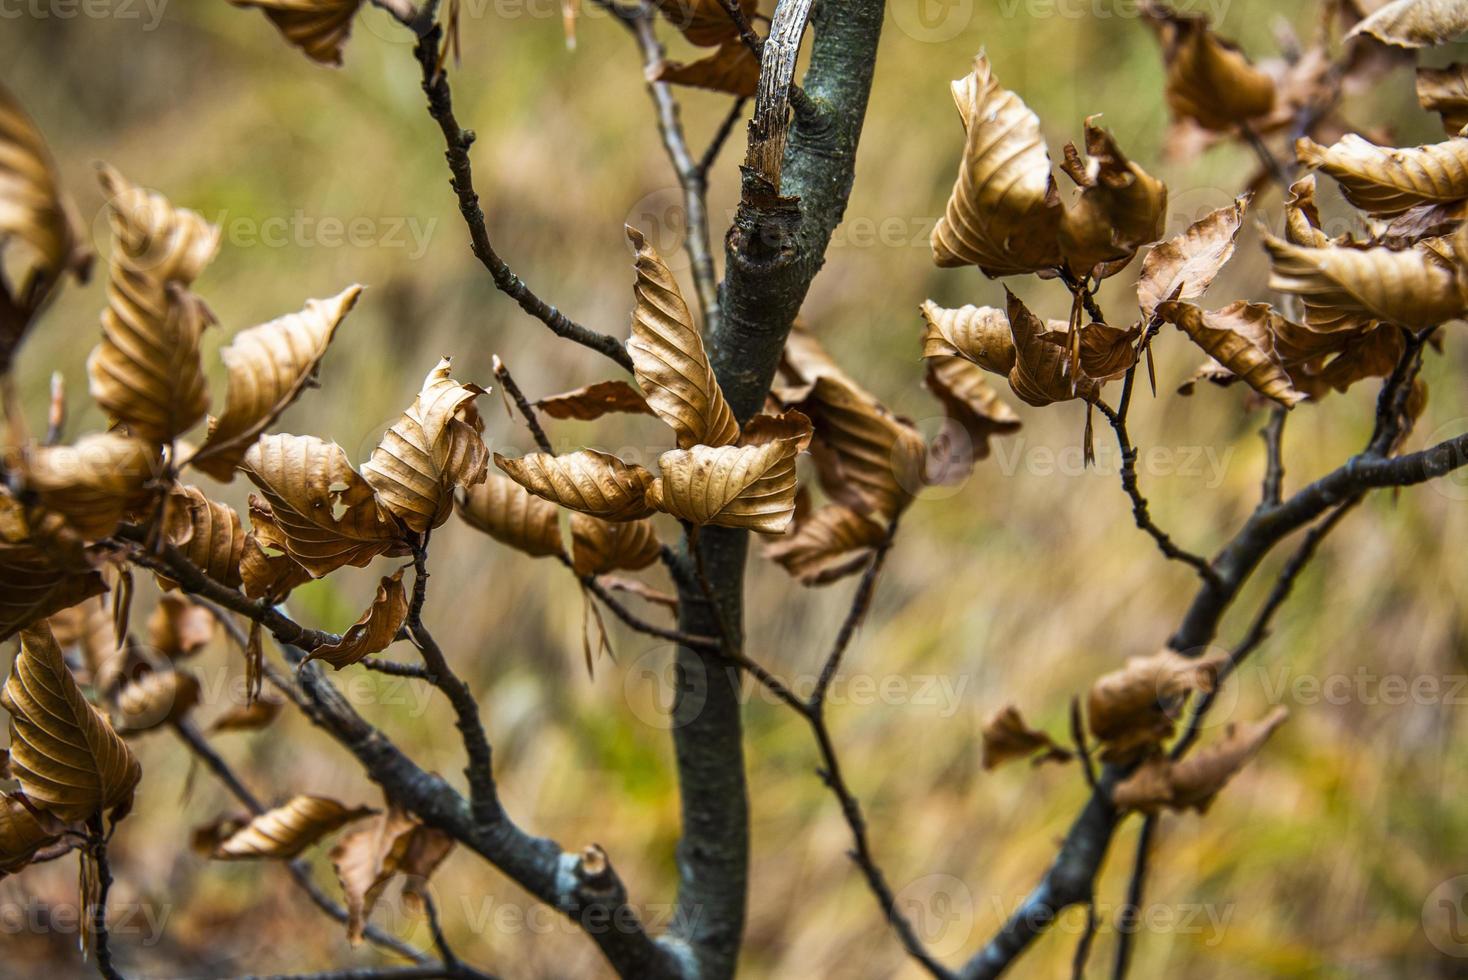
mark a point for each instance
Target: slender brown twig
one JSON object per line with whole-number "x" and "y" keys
{"x": 532, "y": 422}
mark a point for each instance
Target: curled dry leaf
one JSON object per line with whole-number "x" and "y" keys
{"x": 971, "y": 402}
{"x": 1120, "y": 208}
{"x": 267, "y": 574}
{"x": 1004, "y": 212}
{"x": 1303, "y": 228}
{"x": 366, "y": 861}
{"x": 377, "y": 628}
{"x": 1106, "y": 352}
{"x": 146, "y": 372}
{"x": 205, "y": 839}
{"x": 24, "y": 831}
{"x": 1445, "y": 92}
{"x": 66, "y": 756}
{"x": 599, "y": 546}
{"x": 1041, "y": 374}
{"x": 1184, "y": 267}
{"x": 704, "y": 22}
{"x": 511, "y": 515}
{"x": 207, "y": 532}
{"x": 36, "y": 583}
{"x": 322, "y": 513}
{"x": 1133, "y": 709}
{"x": 157, "y": 698}
{"x": 1007, "y": 737}
{"x": 269, "y": 366}
{"x": 250, "y": 717}
{"x": 1415, "y": 23}
{"x": 979, "y": 333}
{"x": 434, "y": 447}
{"x": 1238, "y": 337}
{"x": 178, "y": 628}
{"x": 732, "y": 69}
{"x": 1418, "y": 287}
{"x": 288, "y": 830}
{"x": 669, "y": 360}
{"x": 751, "y": 485}
{"x": 1387, "y": 180}
{"x": 832, "y": 543}
{"x": 1193, "y": 782}
{"x": 1209, "y": 80}
{"x": 320, "y": 28}
{"x": 93, "y": 483}
{"x": 88, "y": 629}
{"x": 594, "y": 401}
{"x": 586, "y": 481}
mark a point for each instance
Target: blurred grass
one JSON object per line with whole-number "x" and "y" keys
{"x": 1022, "y": 585}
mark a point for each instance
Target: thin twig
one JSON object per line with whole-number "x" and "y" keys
{"x": 101, "y": 940}
{"x": 532, "y": 422}
{"x": 1273, "y": 433}
{"x": 1083, "y": 749}
{"x": 860, "y": 602}
{"x": 1127, "y": 917}
{"x": 751, "y": 40}
{"x": 1083, "y": 947}
{"x": 1277, "y": 170}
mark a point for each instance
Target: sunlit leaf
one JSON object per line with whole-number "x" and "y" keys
{"x": 979, "y": 333}
{"x": 1184, "y": 267}
{"x": 1239, "y": 338}
{"x": 587, "y": 481}
{"x": 1417, "y": 287}
{"x": 207, "y": 532}
{"x": 1387, "y": 180}
{"x": 287, "y": 830}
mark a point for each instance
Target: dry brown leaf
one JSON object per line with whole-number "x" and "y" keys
{"x": 1194, "y": 781}
{"x": 88, "y": 628}
{"x": 704, "y": 22}
{"x": 35, "y": 584}
{"x": 669, "y": 360}
{"x": 1041, "y": 374}
{"x": 434, "y": 447}
{"x": 1416, "y": 288}
{"x": 732, "y": 69}
{"x": 93, "y": 483}
{"x": 269, "y": 366}
{"x": 1004, "y": 212}
{"x": 1133, "y": 709}
{"x": 1184, "y": 267}
{"x": 1445, "y": 92}
{"x": 511, "y": 515}
{"x": 1387, "y": 180}
{"x": 25, "y": 830}
{"x": 367, "y": 860}
{"x": 322, "y": 512}
{"x": 320, "y": 28}
{"x": 1209, "y": 80}
{"x": 827, "y": 546}
{"x": 178, "y": 628}
{"x": 751, "y": 485}
{"x": 1007, "y": 737}
{"x": 65, "y": 755}
{"x": 157, "y": 698}
{"x": 1415, "y": 23}
{"x": 250, "y": 717}
{"x": 205, "y": 839}
{"x": 594, "y": 401}
{"x": 146, "y": 372}
{"x": 267, "y": 574}
{"x": 377, "y": 628}
{"x": 586, "y": 481}
{"x": 969, "y": 400}
{"x": 1106, "y": 352}
{"x": 979, "y": 333}
{"x": 1120, "y": 208}
{"x": 599, "y": 546}
{"x": 207, "y": 532}
{"x": 1239, "y": 337}
{"x": 289, "y": 829}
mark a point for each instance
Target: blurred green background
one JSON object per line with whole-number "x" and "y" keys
{"x": 1023, "y": 584}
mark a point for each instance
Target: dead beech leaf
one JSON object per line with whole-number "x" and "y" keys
{"x": 1415, "y": 23}
{"x": 594, "y": 401}
{"x": 1239, "y": 338}
{"x": 704, "y": 22}
{"x": 1184, "y": 267}
{"x": 970, "y": 401}
{"x": 250, "y": 717}
{"x": 377, "y": 628}
{"x": 364, "y": 864}
{"x": 92, "y": 483}
{"x": 1133, "y": 709}
{"x": 207, "y": 532}
{"x": 1106, "y": 352}
{"x": 158, "y": 698}
{"x": 1387, "y": 180}
{"x": 1445, "y": 92}
{"x": 320, "y": 28}
{"x": 1209, "y": 80}
{"x": 267, "y": 574}
{"x": 269, "y": 366}
{"x": 88, "y": 628}
{"x": 599, "y": 546}
{"x": 1193, "y": 782}
{"x": 1041, "y": 374}
{"x": 1416, "y": 288}
{"x": 586, "y": 481}
{"x": 24, "y": 831}
{"x": 732, "y": 69}
{"x": 178, "y": 628}
{"x": 36, "y": 583}
{"x": 287, "y": 830}
{"x": 322, "y": 512}
{"x": 1007, "y": 737}
{"x": 832, "y": 543}
{"x": 511, "y": 515}
{"x": 1120, "y": 208}
{"x": 434, "y": 447}
{"x": 146, "y": 372}
{"x": 979, "y": 333}
{"x": 1004, "y": 212}
{"x": 65, "y": 755}
{"x": 669, "y": 360}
